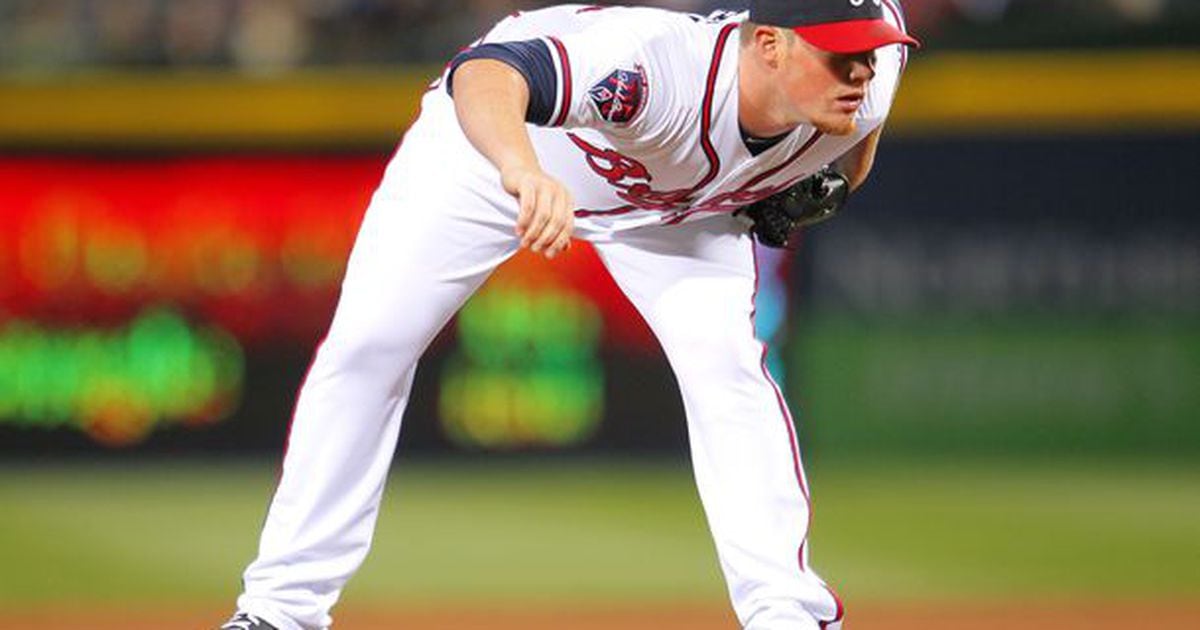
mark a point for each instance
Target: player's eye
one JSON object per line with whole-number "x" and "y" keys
{"x": 847, "y": 63}
{"x": 866, "y": 58}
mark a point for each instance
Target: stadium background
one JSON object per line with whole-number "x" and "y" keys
{"x": 993, "y": 355}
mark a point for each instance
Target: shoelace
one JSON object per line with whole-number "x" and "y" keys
{"x": 242, "y": 621}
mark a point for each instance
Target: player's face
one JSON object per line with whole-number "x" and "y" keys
{"x": 826, "y": 89}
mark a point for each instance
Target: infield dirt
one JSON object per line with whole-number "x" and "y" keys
{"x": 928, "y": 616}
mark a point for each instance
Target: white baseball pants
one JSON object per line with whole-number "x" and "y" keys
{"x": 430, "y": 238}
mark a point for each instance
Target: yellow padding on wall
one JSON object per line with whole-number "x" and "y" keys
{"x": 1050, "y": 92}
{"x": 941, "y": 93}
{"x": 339, "y": 107}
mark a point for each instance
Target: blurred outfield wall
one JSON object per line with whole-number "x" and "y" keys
{"x": 1022, "y": 274}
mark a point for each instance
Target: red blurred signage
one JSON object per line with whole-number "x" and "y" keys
{"x": 256, "y": 245}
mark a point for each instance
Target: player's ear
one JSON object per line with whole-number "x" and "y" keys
{"x": 765, "y": 42}
{"x": 771, "y": 44}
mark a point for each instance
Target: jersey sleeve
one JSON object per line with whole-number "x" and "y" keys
{"x": 532, "y": 59}
{"x": 615, "y": 75}
{"x": 625, "y": 71}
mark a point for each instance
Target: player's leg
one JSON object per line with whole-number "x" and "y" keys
{"x": 695, "y": 284}
{"x": 424, "y": 246}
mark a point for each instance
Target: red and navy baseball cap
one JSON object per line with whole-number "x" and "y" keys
{"x": 838, "y": 26}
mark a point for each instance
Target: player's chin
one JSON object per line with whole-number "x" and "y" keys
{"x": 836, "y": 125}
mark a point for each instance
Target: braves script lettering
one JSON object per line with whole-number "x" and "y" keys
{"x": 632, "y": 181}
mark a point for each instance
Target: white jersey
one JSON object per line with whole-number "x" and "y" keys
{"x": 645, "y": 127}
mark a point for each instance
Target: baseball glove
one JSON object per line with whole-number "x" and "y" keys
{"x": 775, "y": 219}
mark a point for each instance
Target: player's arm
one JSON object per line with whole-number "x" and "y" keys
{"x": 492, "y": 101}
{"x": 856, "y": 164}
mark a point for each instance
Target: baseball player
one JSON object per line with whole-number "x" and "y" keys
{"x": 670, "y": 142}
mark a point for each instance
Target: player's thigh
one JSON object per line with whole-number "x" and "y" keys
{"x": 419, "y": 255}
{"x": 694, "y": 284}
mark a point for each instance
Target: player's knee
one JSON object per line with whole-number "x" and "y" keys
{"x": 706, "y": 330}
{"x": 367, "y": 353}
{"x": 718, "y": 357}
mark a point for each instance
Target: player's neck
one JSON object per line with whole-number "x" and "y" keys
{"x": 758, "y": 112}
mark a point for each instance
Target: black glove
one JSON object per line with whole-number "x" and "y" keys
{"x": 810, "y": 201}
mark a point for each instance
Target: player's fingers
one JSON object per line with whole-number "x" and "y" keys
{"x": 563, "y": 241}
{"x": 554, "y": 223}
{"x": 537, "y": 219}
{"x": 560, "y": 222}
{"x": 560, "y": 244}
{"x": 527, "y": 197}
{"x": 541, "y": 217}
{"x": 568, "y": 219}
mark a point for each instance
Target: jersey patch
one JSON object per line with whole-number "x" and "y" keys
{"x": 619, "y": 96}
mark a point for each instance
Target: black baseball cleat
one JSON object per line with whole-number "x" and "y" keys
{"x": 246, "y": 621}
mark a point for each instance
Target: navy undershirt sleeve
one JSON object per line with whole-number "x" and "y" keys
{"x": 532, "y": 59}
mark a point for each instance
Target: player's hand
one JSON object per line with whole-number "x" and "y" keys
{"x": 547, "y": 216}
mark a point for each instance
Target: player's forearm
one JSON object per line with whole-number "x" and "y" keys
{"x": 490, "y": 99}
{"x": 857, "y": 162}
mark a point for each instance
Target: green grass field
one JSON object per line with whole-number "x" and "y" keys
{"x": 599, "y": 531}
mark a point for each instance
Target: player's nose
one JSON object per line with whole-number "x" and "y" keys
{"x": 861, "y": 71}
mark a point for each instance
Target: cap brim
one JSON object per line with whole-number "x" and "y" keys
{"x": 854, "y": 36}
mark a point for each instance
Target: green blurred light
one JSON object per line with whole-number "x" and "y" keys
{"x": 526, "y": 373}
{"x": 503, "y": 327}
{"x": 118, "y": 385}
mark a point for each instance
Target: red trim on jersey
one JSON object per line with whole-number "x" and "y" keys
{"x": 565, "y": 66}
{"x": 714, "y": 160}
{"x": 608, "y": 213}
{"x": 808, "y": 144}
{"x": 786, "y": 415}
{"x": 680, "y": 217}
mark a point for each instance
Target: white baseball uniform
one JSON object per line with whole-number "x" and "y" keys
{"x": 643, "y": 129}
